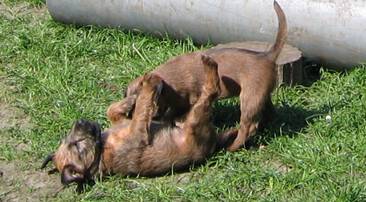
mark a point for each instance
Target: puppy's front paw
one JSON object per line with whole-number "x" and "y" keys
{"x": 154, "y": 83}
{"x": 152, "y": 80}
{"x": 208, "y": 61}
{"x": 212, "y": 83}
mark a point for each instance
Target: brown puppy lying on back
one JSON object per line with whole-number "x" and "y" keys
{"x": 249, "y": 74}
{"x": 137, "y": 146}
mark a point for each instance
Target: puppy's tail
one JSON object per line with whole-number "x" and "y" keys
{"x": 275, "y": 50}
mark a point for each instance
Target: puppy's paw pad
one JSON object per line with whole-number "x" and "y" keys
{"x": 207, "y": 60}
{"x": 152, "y": 80}
{"x": 154, "y": 83}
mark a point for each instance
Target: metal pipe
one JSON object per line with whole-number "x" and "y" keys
{"x": 332, "y": 32}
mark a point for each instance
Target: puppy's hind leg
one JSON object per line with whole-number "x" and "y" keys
{"x": 251, "y": 106}
{"x": 253, "y": 117}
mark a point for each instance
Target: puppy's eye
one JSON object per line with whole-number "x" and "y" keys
{"x": 80, "y": 149}
{"x": 74, "y": 145}
{"x": 77, "y": 147}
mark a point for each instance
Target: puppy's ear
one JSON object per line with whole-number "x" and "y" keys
{"x": 48, "y": 158}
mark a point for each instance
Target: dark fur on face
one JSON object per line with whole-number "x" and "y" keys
{"x": 77, "y": 158}
{"x": 188, "y": 86}
{"x": 138, "y": 146}
{"x": 248, "y": 74}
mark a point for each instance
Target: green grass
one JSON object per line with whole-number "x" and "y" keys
{"x": 62, "y": 73}
{"x": 30, "y": 2}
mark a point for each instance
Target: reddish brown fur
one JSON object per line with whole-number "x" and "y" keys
{"x": 138, "y": 146}
{"x": 249, "y": 74}
{"x": 171, "y": 147}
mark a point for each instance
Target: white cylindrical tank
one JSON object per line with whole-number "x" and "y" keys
{"x": 332, "y": 32}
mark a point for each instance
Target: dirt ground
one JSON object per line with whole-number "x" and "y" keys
{"x": 21, "y": 184}
{"x": 20, "y": 180}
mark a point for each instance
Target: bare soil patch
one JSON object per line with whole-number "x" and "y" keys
{"x": 20, "y": 10}
{"x": 20, "y": 181}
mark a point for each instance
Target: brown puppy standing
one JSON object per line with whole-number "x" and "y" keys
{"x": 249, "y": 74}
{"x": 137, "y": 146}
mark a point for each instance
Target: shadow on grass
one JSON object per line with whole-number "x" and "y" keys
{"x": 226, "y": 116}
{"x": 287, "y": 121}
